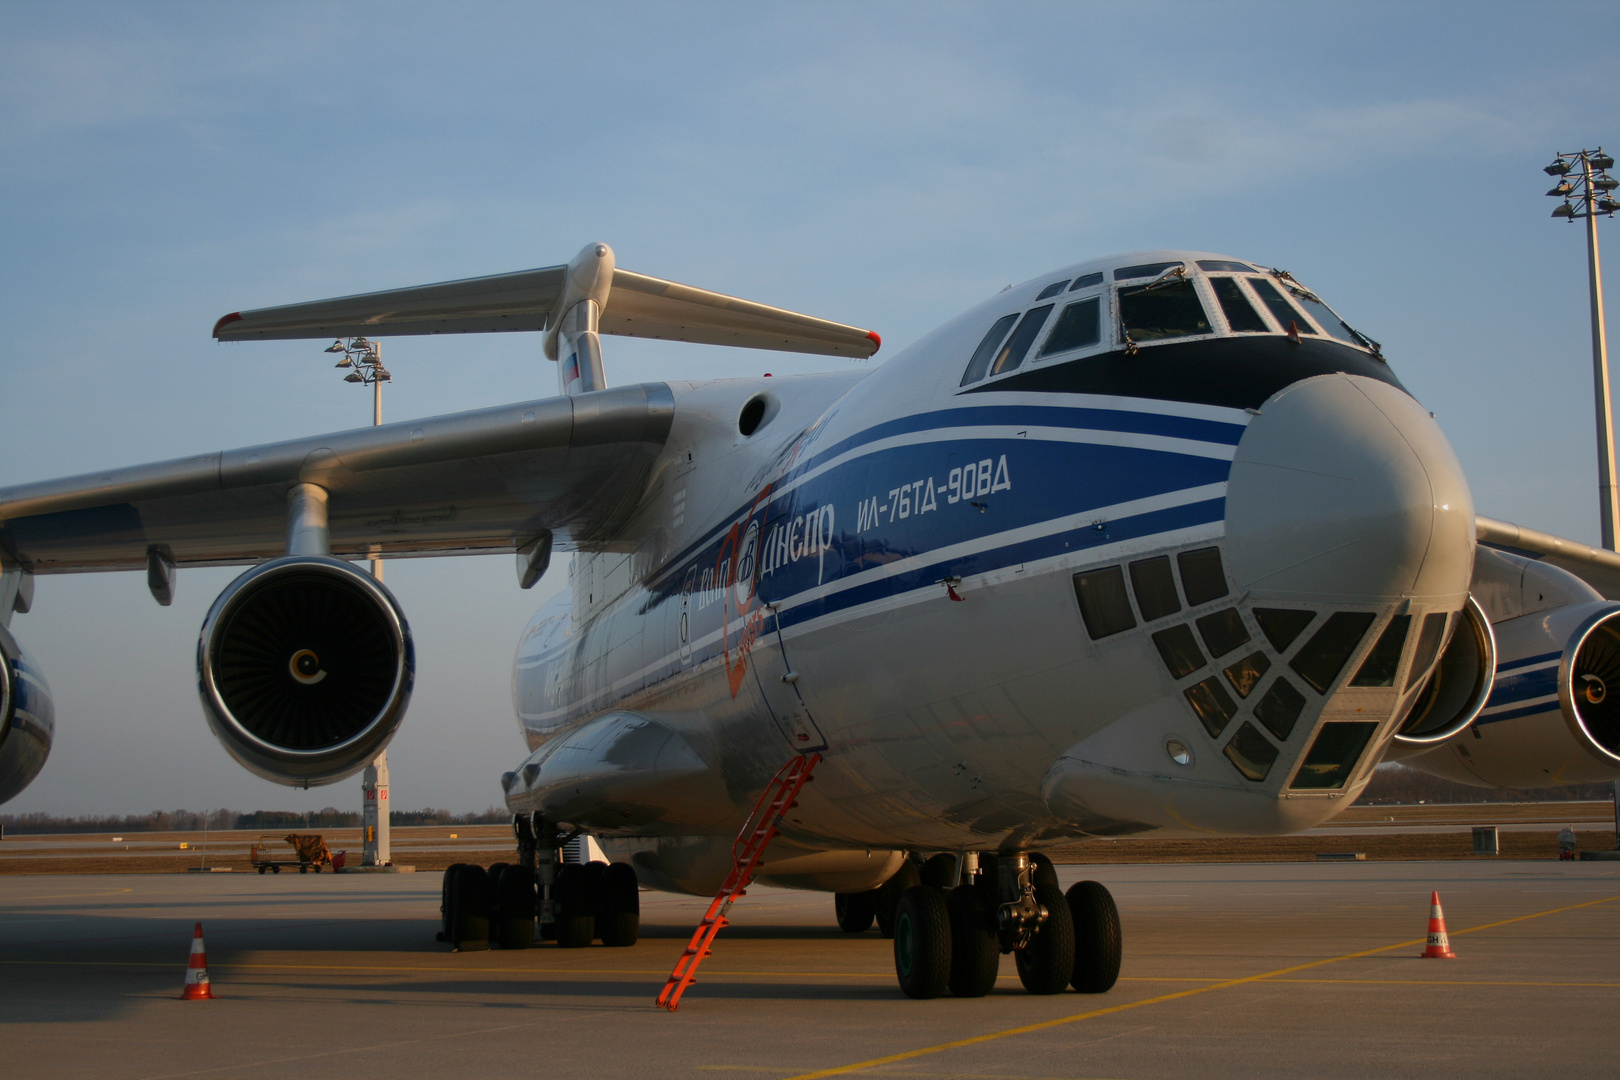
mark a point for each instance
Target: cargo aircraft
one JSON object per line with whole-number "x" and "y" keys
{"x": 1153, "y": 544}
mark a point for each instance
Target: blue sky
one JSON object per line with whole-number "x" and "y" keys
{"x": 886, "y": 165}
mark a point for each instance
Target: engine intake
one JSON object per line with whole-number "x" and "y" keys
{"x": 1589, "y": 685}
{"x": 1460, "y": 685}
{"x": 305, "y": 667}
{"x": 27, "y": 718}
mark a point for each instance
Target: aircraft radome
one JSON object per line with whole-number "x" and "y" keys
{"x": 1150, "y": 544}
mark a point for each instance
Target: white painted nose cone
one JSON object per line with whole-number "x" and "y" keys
{"x": 1344, "y": 490}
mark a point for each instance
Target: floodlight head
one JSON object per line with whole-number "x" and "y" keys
{"x": 345, "y": 362}
{"x": 1600, "y": 160}
{"x": 336, "y": 346}
{"x": 1557, "y": 168}
{"x": 1564, "y": 188}
{"x": 1605, "y": 183}
{"x": 354, "y": 376}
{"x": 1607, "y": 205}
{"x": 360, "y": 343}
{"x": 1564, "y": 211}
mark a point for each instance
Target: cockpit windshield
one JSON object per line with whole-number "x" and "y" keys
{"x": 1166, "y": 311}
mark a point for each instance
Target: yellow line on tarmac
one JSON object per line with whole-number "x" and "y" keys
{"x": 61, "y": 896}
{"x": 1026, "y": 1029}
{"x": 1448, "y": 982}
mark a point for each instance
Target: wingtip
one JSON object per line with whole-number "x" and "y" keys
{"x": 235, "y": 316}
{"x": 877, "y": 342}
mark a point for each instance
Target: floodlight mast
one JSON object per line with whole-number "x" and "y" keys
{"x": 1592, "y": 190}
{"x": 364, "y": 357}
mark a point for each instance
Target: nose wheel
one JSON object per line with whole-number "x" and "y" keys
{"x": 954, "y": 938}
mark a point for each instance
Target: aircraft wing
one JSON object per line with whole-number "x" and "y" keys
{"x": 637, "y": 306}
{"x": 1596, "y": 566}
{"x": 491, "y": 480}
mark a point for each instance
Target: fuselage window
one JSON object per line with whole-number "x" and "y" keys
{"x": 987, "y": 349}
{"x": 1104, "y": 605}
{"x": 1281, "y": 309}
{"x": 1079, "y": 325}
{"x": 1327, "y": 320}
{"x": 1226, "y": 265}
{"x": 1126, "y": 273}
{"x": 1169, "y": 311}
{"x": 1052, "y": 289}
{"x": 1012, "y": 354}
{"x": 1240, "y": 314}
{"x": 1086, "y": 281}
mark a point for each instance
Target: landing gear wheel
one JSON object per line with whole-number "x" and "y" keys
{"x": 922, "y": 942}
{"x": 618, "y": 918}
{"x": 576, "y": 915}
{"x": 447, "y": 914}
{"x": 495, "y": 870}
{"x": 1047, "y": 962}
{"x": 514, "y": 896}
{"x": 856, "y": 910}
{"x": 889, "y": 894}
{"x": 469, "y": 900}
{"x": 975, "y": 948}
{"x": 1097, "y": 941}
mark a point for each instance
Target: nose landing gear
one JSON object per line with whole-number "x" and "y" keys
{"x": 953, "y": 938}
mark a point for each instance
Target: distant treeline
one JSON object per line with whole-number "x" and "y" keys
{"x": 1397, "y": 785}
{"x": 263, "y": 820}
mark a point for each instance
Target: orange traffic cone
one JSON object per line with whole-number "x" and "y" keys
{"x": 1439, "y": 944}
{"x": 197, "y": 970}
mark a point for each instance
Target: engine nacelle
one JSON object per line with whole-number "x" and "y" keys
{"x": 1456, "y": 690}
{"x": 1554, "y": 715}
{"x": 305, "y": 666}
{"x": 27, "y": 718}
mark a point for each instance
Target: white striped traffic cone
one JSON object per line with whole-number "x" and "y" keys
{"x": 197, "y": 970}
{"x": 1439, "y": 947}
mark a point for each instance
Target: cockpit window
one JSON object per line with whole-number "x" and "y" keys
{"x": 1281, "y": 310}
{"x": 1012, "y": 354}
{"x": 987, "y": 349}
{"x": 1326, "y": 319}
{"x": 1240, "y": 314}
{"x": 1079, "y": 325}
{"x": 1052, "y": 289}
{"x": 1169, "y": 311}
{"x": 1126, "y": 273}
{"x": 1226, "y": 265}
{"x": 1086, "y": 281}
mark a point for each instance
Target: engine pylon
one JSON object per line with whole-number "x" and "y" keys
{"x": 1439, "y": 947}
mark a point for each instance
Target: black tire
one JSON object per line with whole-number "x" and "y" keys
{"x": 494, "y": 871}
{"x": 975, "y": 949}
{"x": 447, "y": 917}
{"x": 922, "y": 942}
{"x": 514, "y": 906}
{"x": 275, "y": 869}
{"x": 890, "y": 892}
{"x": 303, "y": 869}
{"x": 856, "y": 911}
{"x": 576, "y": 907}
{"x": 940, "y": 871}
{"x": 1044, "y": 871}
{"x": 1046, "y": 964}
{"x": 469, "y": 899}
{"x": 1098, "y": 944}
{"x": 618, "y": 913}
{"x": 261, "y": 869}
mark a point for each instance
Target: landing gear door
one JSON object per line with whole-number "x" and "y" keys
{"x": 779, "y": 686}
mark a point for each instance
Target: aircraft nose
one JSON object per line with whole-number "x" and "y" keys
{"x": 1344, "y": 490}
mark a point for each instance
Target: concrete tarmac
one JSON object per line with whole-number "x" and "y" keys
{"x": 1231, "y": 970}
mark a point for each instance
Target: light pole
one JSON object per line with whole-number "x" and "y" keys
{"x": 365, "y": 359}
{"x": 1585, "y": 185}
{"x": 1588, "y": 195}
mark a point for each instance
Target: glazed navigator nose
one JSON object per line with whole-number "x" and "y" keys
{"x": 1344, "y": 490}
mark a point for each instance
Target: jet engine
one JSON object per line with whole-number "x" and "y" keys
{"x": 27, "y": 718}
{"x": 1553, "y": 716}
{"x": 1455, "y": 691}
{"x": 305, "y": 666}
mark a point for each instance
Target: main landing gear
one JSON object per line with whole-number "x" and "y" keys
{"x": 570, "y": 903}
{"x": 951, "y": 930}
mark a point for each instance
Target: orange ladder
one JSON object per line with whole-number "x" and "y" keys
{"x": 758, "y": 831}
